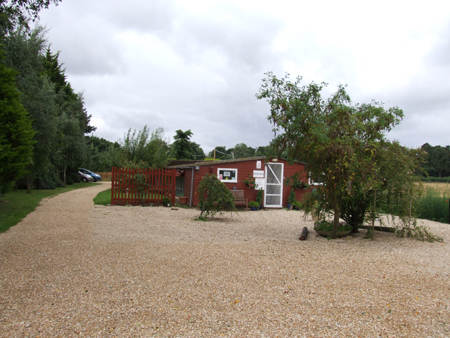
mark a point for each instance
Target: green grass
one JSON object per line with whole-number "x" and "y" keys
{"x": 434, "y": 206}
{"x": 15, "y": 205}
{"x": 103, "y": 197}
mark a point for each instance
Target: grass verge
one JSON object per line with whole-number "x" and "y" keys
{"x": 15, "y": 205}
{"x": 103, "y": 197}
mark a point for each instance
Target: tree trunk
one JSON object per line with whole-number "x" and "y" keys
{"x": 372, "y": 233}
{"x": 28, "y": 183}
{"x": 337, "y": 213}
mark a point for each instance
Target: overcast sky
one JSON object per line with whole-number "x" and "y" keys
{"x": 198, "y": 64}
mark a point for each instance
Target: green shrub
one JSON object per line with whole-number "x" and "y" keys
{"x": 6, "y": 187}
{"x": 297, "y": 205}
{"x": 166, "y": 201}
{"x": 328, "y": 226}
{"x": 259, "y": 197}
{"x": 214, "y": 196}
{"x": 69, "y": 180}
{"x": 253, "y": 204}
{"x": 291, "y": 198}
{"x": 74, "y": 177}
{"x": 45, "y": 181}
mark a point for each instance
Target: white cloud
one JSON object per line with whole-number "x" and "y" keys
{"x": 197, "y": 65}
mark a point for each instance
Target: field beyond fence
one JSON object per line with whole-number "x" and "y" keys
{"x": 434, "y": 204}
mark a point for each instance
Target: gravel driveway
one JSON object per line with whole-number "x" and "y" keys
{"x": 72, "y": 269}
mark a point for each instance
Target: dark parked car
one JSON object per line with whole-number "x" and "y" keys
{"x": 96, "y": 177}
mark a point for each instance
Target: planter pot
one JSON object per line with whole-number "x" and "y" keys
{"x": 183, "y": 200}
{"x": 254, "y": 208}
{"x": 288, "y": 206}
{"x": 328, "y": 233}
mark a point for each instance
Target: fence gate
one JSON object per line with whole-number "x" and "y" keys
{"x": 142, "y": 186}
{"x": 274, "y": 185}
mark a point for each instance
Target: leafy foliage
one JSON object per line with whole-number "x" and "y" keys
{"x": 20, "y": 12}
{"x": 291, "y": 197}
{"x": 259, "y": 196}
{"x": 297, "y": 205}
{"x": 58, "y": 114}
{"x": 335, "y": 138}
{"x": 250, "y": 181}
{"x": 214, "y": 196}
{"x": 295, "y": 182}
{"x": 150, "y": 150}
{"x": 182, "y": 148}
{"x": 16, "y": 132}
{"x": 437, "y": 160}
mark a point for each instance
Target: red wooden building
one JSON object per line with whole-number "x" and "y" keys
{"x": 269, "y": 176}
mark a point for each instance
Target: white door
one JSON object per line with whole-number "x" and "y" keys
{"x": 274, "y": 185}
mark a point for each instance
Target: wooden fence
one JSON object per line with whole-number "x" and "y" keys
{"x": 142, "y": 186}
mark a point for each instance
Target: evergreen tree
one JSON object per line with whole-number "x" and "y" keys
{"x": 16, "y": 133}
{"x": 24, "y": 54}
{"x": 182, "y": 148}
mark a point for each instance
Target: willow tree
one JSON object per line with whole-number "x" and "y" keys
{"x": 336, "y": 138}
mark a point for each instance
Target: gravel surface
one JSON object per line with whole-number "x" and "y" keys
{"x": 72, "y": 269}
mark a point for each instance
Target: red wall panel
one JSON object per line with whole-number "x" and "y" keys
{"x": 244, "y": 169}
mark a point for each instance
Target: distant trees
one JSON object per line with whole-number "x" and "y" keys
{"x": 100, "y": 153}
{"x": 240, "y": 150}
{"x": 437, "y": 160}
{"x": 221, "y": 153}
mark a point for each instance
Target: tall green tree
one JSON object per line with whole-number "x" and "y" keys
{"x": 182, "y": 147}
{"x": 198, "y": 152}
{"x": 335, "y": 138}
{"x": 241, "y": 150}
{"x": 16, "y": 133}
{"x": 143, "y": 148}
{"x": 25, "y": 54}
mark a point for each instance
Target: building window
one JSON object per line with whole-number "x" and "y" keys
{"x": 227, "y": 175}
{"x": 315, "y": 180}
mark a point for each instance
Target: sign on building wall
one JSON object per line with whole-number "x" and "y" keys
{"x": 258, "y": 173}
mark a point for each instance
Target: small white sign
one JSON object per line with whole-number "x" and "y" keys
{"x": 259, "y": 183}
{"x": 258, "y": 173}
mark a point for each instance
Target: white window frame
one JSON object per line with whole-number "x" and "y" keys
{"x": 311, "y": 181}
{"x": 235, "y": 180}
